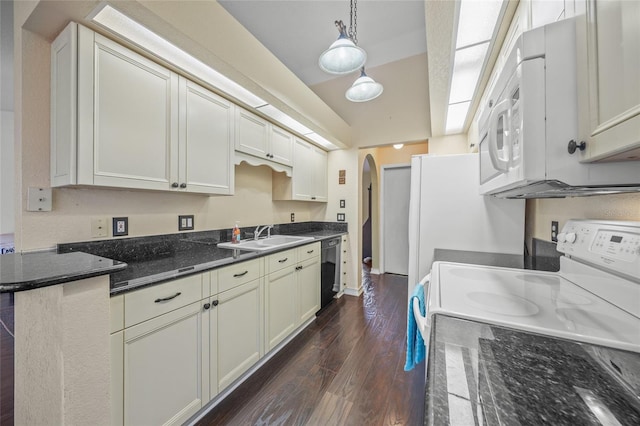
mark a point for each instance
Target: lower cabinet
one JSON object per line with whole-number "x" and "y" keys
{"x": 177, "y": 345}
{"x": 163, "y": 368}
{"x": 235, "y": 334}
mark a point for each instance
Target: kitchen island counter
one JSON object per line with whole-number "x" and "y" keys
{"x": 486, "y": 374}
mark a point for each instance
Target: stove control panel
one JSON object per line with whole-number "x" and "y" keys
{"x": 609, "y": 244}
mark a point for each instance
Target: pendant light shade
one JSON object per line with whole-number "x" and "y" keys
{"x": 364, "y": 89}
{"x": 343, "y": 56}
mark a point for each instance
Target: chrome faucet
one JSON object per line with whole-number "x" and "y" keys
{"x": 259, "y": 230}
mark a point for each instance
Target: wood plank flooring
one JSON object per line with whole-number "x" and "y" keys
{"x": 344, "y": 369}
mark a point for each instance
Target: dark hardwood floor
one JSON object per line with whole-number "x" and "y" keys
{"x": 344, "y": 369}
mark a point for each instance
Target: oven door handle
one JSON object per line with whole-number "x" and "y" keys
{"x": 423, "y": 322}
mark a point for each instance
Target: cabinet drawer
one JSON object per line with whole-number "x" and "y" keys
{"x": 234, "y": 275}
{"x": 150, "y": 302}
{"x": 308, "y": 251}
{"x": 281, "y": 260}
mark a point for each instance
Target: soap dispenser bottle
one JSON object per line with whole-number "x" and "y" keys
{"x": 235, "y": 234}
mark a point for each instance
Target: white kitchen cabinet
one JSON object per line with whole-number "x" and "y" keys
{"x": 292, "y": 292}
{"x": 258, "y": 137}
{"x": 116, "y": 344}
{"x": 205, "y": 150}
{"x": 163, "y": 368}
{"x": 309, "y": 179}
{"x": 308, "y": 281}
{"x": 280, "y": 305}
{"x": 344, "y": 265}
{"x": 119, "y": 119}
{"x": 611, "y": 126}
{"x": 236, "y": 339}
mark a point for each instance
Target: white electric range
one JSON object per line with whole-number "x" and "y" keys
{"x": 594, "y": 298}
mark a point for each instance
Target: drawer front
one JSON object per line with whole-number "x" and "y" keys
{"x": 234, "y": 275}
{"x": 281, "y": 260}
{"x": 308, "y": 251}
{"x": 153, "y": 301}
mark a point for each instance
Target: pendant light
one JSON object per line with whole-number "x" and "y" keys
{"x": 364, "y": 89}
{"x": 344, "y": 56}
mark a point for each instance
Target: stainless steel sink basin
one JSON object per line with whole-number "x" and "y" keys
{"x": 264, "y": 244}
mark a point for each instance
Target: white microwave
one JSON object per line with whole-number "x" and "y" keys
{"x": 529, "y": 127}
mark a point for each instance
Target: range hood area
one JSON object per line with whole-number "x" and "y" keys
{"x": 557, "y": 189}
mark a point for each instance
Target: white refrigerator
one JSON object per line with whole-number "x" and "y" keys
{"x": 446, "y": 211}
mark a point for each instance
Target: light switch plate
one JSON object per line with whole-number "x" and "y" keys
{"x": 186, "y": 222}
{"x": 39, "y": 199}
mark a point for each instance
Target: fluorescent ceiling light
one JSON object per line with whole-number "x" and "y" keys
{"x": 273, "y": 112}
{"x": 321, "y": 141}
{"x": 467, "y": 67}
{"x": 477, "y": 21}
{"x": 456, "y": 116}
{"x": 116, "y": 22}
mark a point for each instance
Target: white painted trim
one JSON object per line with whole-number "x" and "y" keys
{"x": 383, "y": 169}
{"x": 375, "y": 271}
{"x": 354, "y": 292}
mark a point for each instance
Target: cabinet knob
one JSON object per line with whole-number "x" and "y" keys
{"x": 206, "y": 306}
{"x": 215, "y": 303}
{"x": 573, "y": 146}
{"x": 174, "y": 185}
{"x": 298, "y": 268}
{"x": 183, "y": 185}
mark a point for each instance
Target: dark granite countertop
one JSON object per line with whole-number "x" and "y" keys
{"x": 155, "y": 259}
{"x": 29, "y": 271}
{"x": 481, "y": 374}
{"x": 548, "y": 261}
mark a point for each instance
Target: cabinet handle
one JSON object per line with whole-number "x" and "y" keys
{"x": 183, "y": 185}
{"x": 298, "y": 268}
{"x": 240, "y": 275}
{"x": 215, "y": 303}
{"x": 174, "y": 185}
{"x": 313, "y": 198}
{"x": 283, "y": 260}
{"x": 206, "y": 306}
{"x": 310, "y": 251}
{"x": 168, "y": 298}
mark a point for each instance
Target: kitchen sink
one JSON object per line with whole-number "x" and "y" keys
{"x": 264, "y": 244}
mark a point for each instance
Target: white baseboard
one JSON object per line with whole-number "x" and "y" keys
{"x": 353, "y": 291}
{"x": 375, "y": 271}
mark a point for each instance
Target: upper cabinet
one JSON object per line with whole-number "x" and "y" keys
{"x": 611, "y": 125}
{"x": 309, "y": 180}
{"x": 121, "y": 120}
{"x": 258, "y": 137}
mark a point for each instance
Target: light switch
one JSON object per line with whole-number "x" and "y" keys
{"x": 39, "y": 199}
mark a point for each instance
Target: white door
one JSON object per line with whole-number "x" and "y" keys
{"x": 396, "y": 182}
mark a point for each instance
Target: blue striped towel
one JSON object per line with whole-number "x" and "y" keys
{"x": 415, "y": 343}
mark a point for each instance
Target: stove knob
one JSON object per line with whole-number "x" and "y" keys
{"x": 562, "y": 237}
{"x": 571, "y": 237}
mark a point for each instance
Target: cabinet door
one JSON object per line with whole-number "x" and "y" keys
{"x": 239, "y": 332}
{"x": 116, "y": 344}
{"x": 308, "y": 289}
{"x": 614, "y": 62}
{"x": 163, "y": 368}
{"x": 281, "y": 146}
{"x": 206, "y": 141}
{"x": 319, "y": 192}
{"x": 252, "y": 134}
{"x": 280, "y": 304}
{"x": 133, "y": 130}
{"x": 303, "y": 170}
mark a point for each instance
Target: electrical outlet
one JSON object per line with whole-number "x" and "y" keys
{"x": 120, "y": 226}
{"x": 293, "y": 217}
{"x": 185, "y": 222}
{"x": 99, "y": 227}
{"x": 554, "y": 231}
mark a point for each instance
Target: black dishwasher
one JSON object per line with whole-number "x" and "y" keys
{"x": 330, "y": 270}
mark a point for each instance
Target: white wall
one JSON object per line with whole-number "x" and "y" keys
{"x": 7, "y": 216}
{"x": 453, "y": 144}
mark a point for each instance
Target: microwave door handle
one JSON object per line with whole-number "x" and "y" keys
{"x": 500, "y": 109}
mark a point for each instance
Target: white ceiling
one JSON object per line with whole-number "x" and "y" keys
{"x": 298, "y": 31}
